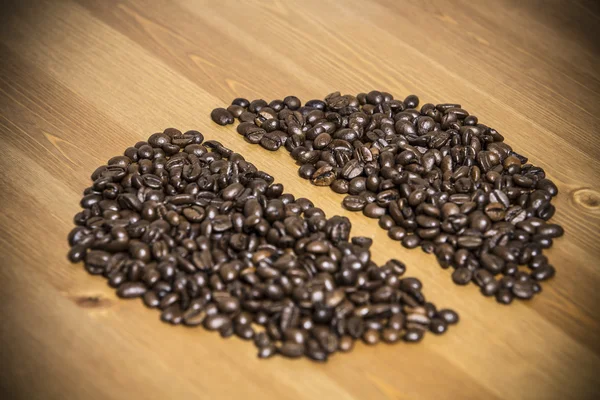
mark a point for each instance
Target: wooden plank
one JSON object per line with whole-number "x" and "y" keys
{"x": 80, "y": 81}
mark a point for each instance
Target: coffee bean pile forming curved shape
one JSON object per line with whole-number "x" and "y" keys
{"x": 199, "y": 233}
{"x": 434, "y": 177}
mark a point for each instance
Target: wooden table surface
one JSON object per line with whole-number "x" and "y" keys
{"x": 82, "y": 80}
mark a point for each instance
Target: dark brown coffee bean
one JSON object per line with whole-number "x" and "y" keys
{"x": 413, "y": 335}
{"x": 346, "y": 343}
{"x": 270, "y": 141}
{"x": 267, "y": 351}
{"x": 340, "y": 186}
{"x": 523, "y": 290}
{"x": 449, "y": 316}
{"x": 438, "y": 326}
{"x": 354, "y": 203}
{"x": 210, "y": 240}
{"x": 492, "y": 263}
{"x": 411, "y": 241}
{"x": 504, "y": 296}
{"x": 291, "y": 349}
{"x": 221, "y": 116}
{"x": 462, "y": 276}
{"x": 397, "y": 233}
{"x": 371, "y": 337}
{"x": 216, "y": 322}
{"x": 151, "y": 300}
{"x": 131, "y": 289}
{"x": 314, "y": 351}
{"x": 323, "y": 176}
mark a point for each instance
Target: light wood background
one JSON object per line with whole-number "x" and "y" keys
{"x": 82, "y": 80}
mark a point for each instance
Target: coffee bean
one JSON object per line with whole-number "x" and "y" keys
{"x": 216, "y": 322}
{"x": 492, "y": 263}
{"x": 210, "y": 240}
{"x": 346, "y": 343}
{"x": 438, "y": 326}
{"x": 323, "y": 176}
{"x": 131, "y": 289}
{"x": 270, "y": 141}
{"x": 291, "y": 349}
{"x": 340, "y": 186}
{"x": 490, "y": 288}
{"x": 436, "y": 174}
{"x": 411, "y": 241}
{"x": 413, "y": 335}
{"x": 462, "y": 276}
{"x": 544, "y": 272}
{"x": 504, "y": 296}
{"x": 267, "y": 351}
{"x": 523, "y": 290}
{"x": 221, "y": 116}
{"x": 371, "y": 337}
{"x": 354, "y": 203}
{"x": 449, "y": 316}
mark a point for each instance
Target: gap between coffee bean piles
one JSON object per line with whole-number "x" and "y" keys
{"x": 201, "y": 234}
{"x": 434, "y": 177}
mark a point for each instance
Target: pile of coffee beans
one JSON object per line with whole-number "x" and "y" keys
{"x": 434, "y": 177}
{"x": 198, "y": 232}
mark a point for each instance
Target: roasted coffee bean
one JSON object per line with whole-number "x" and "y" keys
{"x": 449, "y": 316}
{"x": 413, "y": 335}
{"x": 129, "y": 290}
{"x": 354, "y": 203}
{"x": 523, "y": 289}
{"x": 411, "y": 241}
{"x": 372, "y": 210}
{"x": 390, "y": 335}
{"x": 436, "y": 172}
{"x": 397, "y": 233}
{"x": 211, "y": 241}
{"x": 462, "y": 276}
{"x": 492, "y": 263}
{"x": 323, "y": 176}
{"x": 438, "y": 326}
{"x": 270, "y": 141}
{"x": 340, "y": 186}
{"x": 504, "y": 296}
{"x": 267, "y": 351}
{"x": 371, "y": 337}
{"x": 346, "y": 343}
{"x": 221, "y": 116}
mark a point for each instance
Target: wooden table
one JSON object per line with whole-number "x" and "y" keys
{"x": 80, "y": 81}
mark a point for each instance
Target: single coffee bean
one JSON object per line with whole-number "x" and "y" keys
{"x": 462, "y": 276}
{"x": 371, "y": 337}
{"x": 346, "y": 343}
{"x": 523, "y": 290}
{"x": 504, "y": 296}
{"x": 438, "y": 326}
{"x": 291, "y": 349}
{"x": 397, "y": 233}
{"x": 354, "y": 203}
{"x": 131, "y": 289}
{"x": 270, "y": 141}
{"x": 340, "y": 186}
{"x": 411, "y": 241}
{"x": 413, "y": 335}
{"x": 221, "y": 116}
{"x": 449, "y": 316}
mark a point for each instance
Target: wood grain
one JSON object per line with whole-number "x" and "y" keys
{"x": 82, "y": 80}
